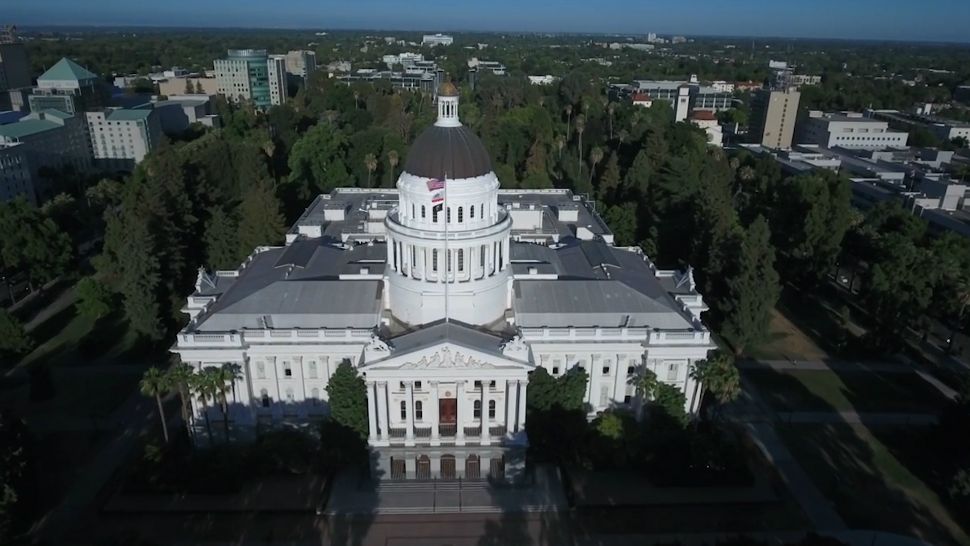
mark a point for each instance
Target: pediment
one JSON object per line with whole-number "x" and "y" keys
{"x": 445, "y": 356}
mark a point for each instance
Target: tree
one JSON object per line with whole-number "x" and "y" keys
{"x": 595, "y": 156}
{"x": 393, "y": 158}
{"x": 622, "y": 220}
{"x": 154, "y": 384}
{"x": 261, "y": 220}
{"x": 180, "y": 377}
{"x": 205, "y": 390}
{"x": 348, "y": 399}
{"x": 580, "y": 128}
{"x": 188, "y": 86}
{"x": 669, "y": 401}
{"x": 31, "y": 242}
{"x": 637, "y": 178}
{"x": 752, "y": 288}
{"x": 609, "y": 181}
{"x": 14, "y": 461}
{"x": 370, "y": 163}
{"x": 131, "y": 261}
{"x": 198, "y": 88}
{"x": 317, "y": 161}
{"x": 718, "y": 375}
{"x": 222, "y": 246}
{"x": 93, "y": 298}
{"x": 547, "y": 393}
{"x": 14, "y": 340}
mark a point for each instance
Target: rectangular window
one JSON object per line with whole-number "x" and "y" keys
{"x": 287, "y": 370}
{"x": 630, "y": 370}
{"x": 555, "y": 370}
{"x": 673, "y": 370}
{"x": 417, "y": 385}
{"x": 606, "y": 370}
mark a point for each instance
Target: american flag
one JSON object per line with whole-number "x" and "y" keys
{"x": 438, "y": 197}
{"x": 434, "y": 184}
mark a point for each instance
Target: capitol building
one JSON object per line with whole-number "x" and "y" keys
{"x": 444, "y": 294}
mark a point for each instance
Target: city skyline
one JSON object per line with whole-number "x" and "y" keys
{"x": 934, "y": 21}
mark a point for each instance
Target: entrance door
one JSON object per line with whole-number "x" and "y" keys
{"x": 448, "y": 467}
{"x": 423, "y": 468}
{"x": 398, "y": 469}
{"x": 473, "y": 467}
{"x": 448, "y": 411}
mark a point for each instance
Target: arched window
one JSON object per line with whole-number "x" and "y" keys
{"x": 477, "y": 413}
{"x": 471, "y": 212}
{"x": 461, "y": 215}
{"x": 418, "y": 411}
{"x": 422, "y": 212}
{"x": 404, "y": 410}
{"x": 448, "y": 219}
{"x": 434, "y": 213}
{"x": 491, "y": 409}
{"x": 265, "y": 398}
{"x": 461, "y": 259}
{"x": 434, "y": 260}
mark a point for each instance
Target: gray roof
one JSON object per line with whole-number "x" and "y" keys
{"x": 454, "y": 332}
{"x": 453, "y": 152}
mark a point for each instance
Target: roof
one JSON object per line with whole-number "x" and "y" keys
{"x": 448, "y": 89}
{"x": 66, "y": 69}
{"x": 124, "y": 114}
{"x": 452, "y": 152}
{"x": 27, "y": 127}
{"x": 452, "y": 331}
{"x": 641, "y": 97}
{"x": 704, "y": 115}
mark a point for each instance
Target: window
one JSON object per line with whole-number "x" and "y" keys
{"x": 471, "y": 211}
{"x": 312, "y": 369}
{"x": 260, "y": 370}
{"x": 434, "y": 213}
{"x": 627, "y": 399}
{"x": 606, "y": 370}
{"x": 413, "y": 213}
{"x": 401, "y": 385}
{"x": 478, "y": 384}
{"x": 423, "y": 212}
{"x": 672, "y": 371}
{"x": 265, "y": 398}
{"x": 434, "y": 260}
{"x": 417, "y": 385}
{"x": 289, "y": 396}
{"x": 491, "y": 384}
{"x": 287, "y": 369}
{"x": 461, "y": 258}
{"x": 555, "y": 370}
{"x": 404, "y": 410}
{"x": 315, "y": 396}
{"x": 630, "y": 370}
{"x": 418, "y": 411}
{"x": 448, "y": 219}
{"x": 461, "y": 215}
{"x": 491, "y": 409}
{"x": 477, "y": 410}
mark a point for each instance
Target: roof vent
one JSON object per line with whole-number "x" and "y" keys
{"x": 364, "y": 271}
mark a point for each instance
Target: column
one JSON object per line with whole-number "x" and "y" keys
{"x": 486, "y": 436}
{"x": 371, "y": 414}
{"x": 510, "y": 399}
{"x": 619, "y": 387}
{"x": 460, "y": 428}
{"x": 434, "y": 413}
{"x": 382, "y": 417}
{"x": 409, "y": 401}
{"x": 520, "y": 422}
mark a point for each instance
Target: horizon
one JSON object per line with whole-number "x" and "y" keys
{"x": 937, "y": 21}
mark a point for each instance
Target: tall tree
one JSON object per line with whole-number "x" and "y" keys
{"x": 347, "y": 394}
{"x": 14, "y": 340}
{"x": 261, "y": 222}
{"x": 718, "y": 375}
{"x": 154, "y": 384}
{"x": 318, "y": 160}
{"x": 222, "y": 246}
{"x": 609, "y": 181}
{"x": 131, "y": 262}
{"x": 752, "y": 288}
{"x": 93, "y": 298}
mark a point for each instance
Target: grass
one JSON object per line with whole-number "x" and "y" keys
{"x": 870, "y": 487}
{"x": 786, "y": 341}
{"x": 822, "y": 390}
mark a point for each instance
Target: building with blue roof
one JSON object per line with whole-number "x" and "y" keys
{"x": 68, "y": 87}
{"x": 122, "y": 137}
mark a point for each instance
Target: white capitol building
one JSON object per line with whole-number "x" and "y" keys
{"x": 444, "y": 307}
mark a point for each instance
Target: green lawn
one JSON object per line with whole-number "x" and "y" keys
{"x": 813, "y": 390}
{"x": 786, "y": 341}
{"x": 869, "y": 486}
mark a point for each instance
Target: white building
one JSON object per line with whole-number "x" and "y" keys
{"x": 121, "y": 137}
{"x": 707, "y": 121}
{"x": 850, "y": 130}
{"x": 301, "y": 63}
{"x": 548, "y": 79}
{"x": 437, "y": 39}
{"x": 949, "y": 130}
{"x": 444, "y": 294}
{"x": 277, "y": 79}
{"x": 15, "y": 178}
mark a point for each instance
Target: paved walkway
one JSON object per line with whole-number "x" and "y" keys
{"x": 855, "y": 418}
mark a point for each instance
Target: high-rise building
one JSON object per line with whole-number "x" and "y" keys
{"x": 301, "y": 63}
{"x": 773, "y": 115}
{"x": 68, "y": 87}
{"x": 277, "y": 79}
{"x": 15, "y": 179}
{"x": 51, "y": 139}
{"x": 121, "y": 137}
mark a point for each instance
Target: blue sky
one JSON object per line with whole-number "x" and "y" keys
{"x": 932, "y": 20}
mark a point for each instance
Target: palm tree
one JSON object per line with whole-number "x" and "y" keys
{"x": 645, "y": 386}
{"x": 223, "y": 381}
{"x": 202, "y": 384}
{"x": 569, "y": 115}
{"x": 356, "y": 99}
{"x": 595, "y": 156}
{"x": 393, "y": 159}
{"x": 580, "y": 127}
{"x": 155, "y": 384}
{"x": 560, "y": 144}
{"x": 178, "y": 377}
{"x": 610, "y": 108}
{"x": 962, "y": 294}
{"x": 370, "y": 163}
{"x": 622, "y": 135}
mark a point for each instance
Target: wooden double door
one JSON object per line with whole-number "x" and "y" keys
{"x": 448, "y": 411}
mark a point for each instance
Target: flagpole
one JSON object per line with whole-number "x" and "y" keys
{"x": 447, "y": 256}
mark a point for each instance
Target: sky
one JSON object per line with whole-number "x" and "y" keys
{"x": 925, "y": 20}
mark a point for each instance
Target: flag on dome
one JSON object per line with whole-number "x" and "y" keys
{"x": 435, "y": 184}
{"x": 438, "y": 197}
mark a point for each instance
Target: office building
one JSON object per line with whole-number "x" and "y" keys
{"x": 947, "y": 130}
{"x": 301, "y": 63}
{"x": 68, "y": 87}
{"x": 14, "y": 66}
{"x": 437, "y": 39}
{"x": 50, "y": 139}
{"x": 773, "y": 115}
{"x": 178, "y": 112}
{"x": 15, "y": 178}
{"x": 122, "y": 137}
{"x": 251, "y": 75}
{"x": 443, "y": 330}
{"x": 850, "y": 130}
{"x": 701, "y": 97}
{"x": 200, "y": 85}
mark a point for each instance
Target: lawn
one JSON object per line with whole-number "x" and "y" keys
{"x": 786, "y": 341}
{"x": 869, "y": 486}
{"x": 822, "y": 390}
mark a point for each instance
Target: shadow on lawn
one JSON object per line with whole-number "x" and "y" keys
{"x": 855, "y": 473}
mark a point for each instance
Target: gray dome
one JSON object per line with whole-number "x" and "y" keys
{"x": 455, "y": 152}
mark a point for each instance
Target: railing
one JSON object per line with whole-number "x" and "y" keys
{"x": 503, "y": 219}
{"x": 659, "y": 337}
{"x": 447, "y": 430}
{"x": 237, "y": 339}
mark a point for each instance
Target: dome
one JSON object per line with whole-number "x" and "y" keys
{"x": 455, "y": 152}
{"x": 447, "y": 89}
